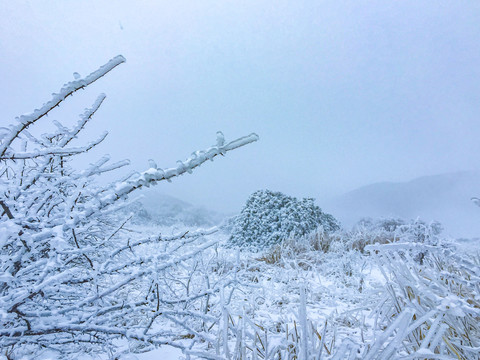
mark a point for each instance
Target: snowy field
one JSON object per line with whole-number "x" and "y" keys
{"x": 343, "y": 289}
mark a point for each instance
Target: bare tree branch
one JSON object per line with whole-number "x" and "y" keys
{"x": 6, "y": 210}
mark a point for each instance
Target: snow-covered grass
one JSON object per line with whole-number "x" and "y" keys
{"x": 438, "y": 297}
{"x": 297, "y": 288}
{"x": 320, "y": 297}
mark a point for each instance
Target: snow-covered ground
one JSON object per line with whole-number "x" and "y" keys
{"x": 326, "y": 286}
{"x": 163, "y": 353}
{"x": 342, "y": 288}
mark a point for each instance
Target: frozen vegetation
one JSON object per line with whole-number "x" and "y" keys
{"x": 84, "y": 274}
{"x": 268, "y": 217}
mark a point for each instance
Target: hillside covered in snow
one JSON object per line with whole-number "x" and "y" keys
{"x": 444, "y": 198}
{"x": 157, "y": 209}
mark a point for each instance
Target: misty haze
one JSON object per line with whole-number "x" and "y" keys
{"x": 239, "y": 180}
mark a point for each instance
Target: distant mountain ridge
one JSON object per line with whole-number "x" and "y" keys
{"x": 445, "y": 198}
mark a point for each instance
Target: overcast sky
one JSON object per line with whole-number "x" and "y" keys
{"x": 341, "y": 93}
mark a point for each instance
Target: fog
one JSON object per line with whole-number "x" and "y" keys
{"x": 341, "y": 93}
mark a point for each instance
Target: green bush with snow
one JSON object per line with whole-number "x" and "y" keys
{"x": 268, "y": 217}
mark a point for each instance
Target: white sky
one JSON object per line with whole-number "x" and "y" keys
{"x": 342, "y": 93}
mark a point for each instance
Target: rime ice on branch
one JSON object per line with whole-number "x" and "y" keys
{"x": 72, "y": 280}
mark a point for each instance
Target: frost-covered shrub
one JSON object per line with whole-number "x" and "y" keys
{"x": 269, "y": 217}
{"x": 385, "y": 224}
{"x": 366, "y": 232}
{"x": 388, "y": 230}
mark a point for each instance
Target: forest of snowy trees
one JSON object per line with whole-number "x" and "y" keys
{"x": 77, "y": 280}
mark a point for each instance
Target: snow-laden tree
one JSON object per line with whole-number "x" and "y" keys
{"x": 72, "y": 278}
{"x": 268, "y": 217}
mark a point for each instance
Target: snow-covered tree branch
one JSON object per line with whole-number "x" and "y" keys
{"x": 70, "y": 273}
{"x": 68, "y": 89}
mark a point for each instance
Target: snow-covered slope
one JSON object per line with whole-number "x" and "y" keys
{"x": 155, "y": 208}
{"x": 445, "y": 198}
